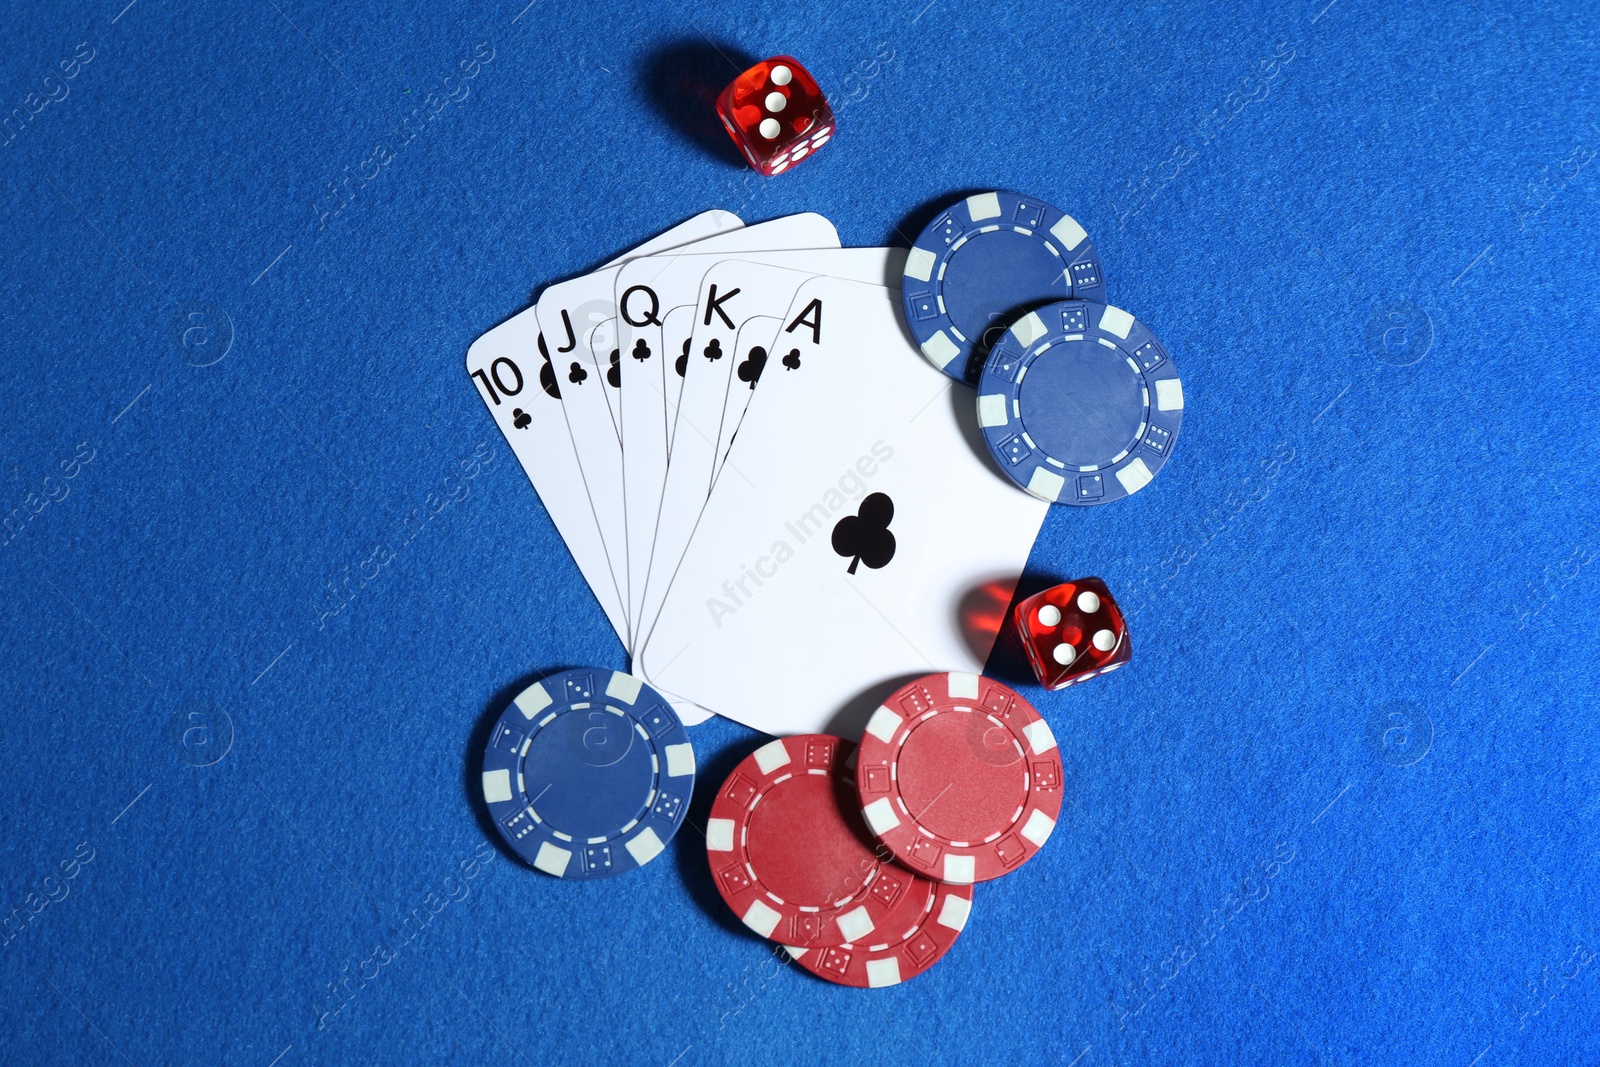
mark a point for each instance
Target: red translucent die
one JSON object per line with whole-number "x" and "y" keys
{"x": 1073, "y": 632}
{"x": 776, "y": 114}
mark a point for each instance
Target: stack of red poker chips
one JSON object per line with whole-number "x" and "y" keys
{"x": 860, "y": 862}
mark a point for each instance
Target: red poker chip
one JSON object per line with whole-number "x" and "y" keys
{"x": 913, "y": 938}
{"x": 789, "y": 853}
{"x": 959, "y": 777}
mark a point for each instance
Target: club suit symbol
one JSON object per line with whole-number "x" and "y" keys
{"x": 681, "y": 364}
{"x": 577, "y": 375}
{"x": 641, "y": 351}
{"x": 792, "y": 360}
{"x": 864, "y": 537}
{"x": 614, "y": 372}
{"x": 547, "y": 373}
{"x": 520, "y": 419}
{"x": 713, "y": 350}
{"x": 750, "y": 369}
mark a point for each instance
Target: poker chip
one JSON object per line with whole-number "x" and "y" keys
{"x": 588, "y": 774}
{"x": 790, "y": 855}
{"x": 1080, "y": 403}
{"x": 915, "y": 936}
{"x": 984, "y": 261}
{"x": 959, "y": 777}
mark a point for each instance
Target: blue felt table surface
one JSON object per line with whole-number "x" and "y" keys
{"x": 1342, "y": 808}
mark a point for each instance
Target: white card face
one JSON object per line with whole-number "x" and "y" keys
{"x": 678, "y": 515}
{"x": 636, "y": 370}
{"x": 569, "y": 312}
{"x": 506, "y": 368}
{"x": 606, "y": 347}
{"x": 857, "y": 511}
{"x": 718, "y": 384}
{"x": 677, "y": 330}
{"x": 739, "y": 399}
{"x": 601, "y": 344}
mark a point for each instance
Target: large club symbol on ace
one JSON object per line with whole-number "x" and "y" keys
{"x": 864, "y": 537}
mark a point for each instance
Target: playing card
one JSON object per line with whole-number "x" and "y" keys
{"x": 681, "y": 511}
{"x": 513, "y": 374}
{"x": 601, "y": 344}
{"x": 857, "y": 516}
{"x": 677, "y": 330}
{"x": 716, "y": 387}
{"x": 568, "y": 313}
{"x": 652, "y": 295}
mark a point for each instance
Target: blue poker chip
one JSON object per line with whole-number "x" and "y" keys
{"x": 588, "y": 774}
{"x": 981, "y": 264}
{"x": 1080, "y": 403}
